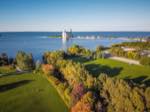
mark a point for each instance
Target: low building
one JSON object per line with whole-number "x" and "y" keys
{"x": 127, "y": 49}
{"x": 145, "y": 53}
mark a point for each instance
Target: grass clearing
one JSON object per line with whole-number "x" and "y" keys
{"x": 114, "y": 68}
{"x": 29, "y": 93}
{"x": 139, "y": 74}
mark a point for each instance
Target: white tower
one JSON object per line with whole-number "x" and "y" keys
{"x": 65, "y": 36}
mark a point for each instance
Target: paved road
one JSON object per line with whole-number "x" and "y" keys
{"x": 130, "y": 61}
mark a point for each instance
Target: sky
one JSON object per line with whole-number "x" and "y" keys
{"x": 79, "y": 15}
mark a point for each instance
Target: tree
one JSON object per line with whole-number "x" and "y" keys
{"x": 121, "y": 96}
{"x": 48, "y": 69}
{"x": 147, "y": 98}
{"x": 77, "y": 92}
{"x": 86, "y": 103}
{"x": 53, "y": 57}
{"x": 79, "y": 51}
{"x": 24, "y": 61}
{"x": 4, "y": 59}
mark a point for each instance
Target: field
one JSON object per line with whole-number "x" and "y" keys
{"x": 28, "y": 93}
{"x": 138, "y": 74}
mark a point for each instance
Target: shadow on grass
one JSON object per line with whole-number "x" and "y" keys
{"x": 140, "y": 80}
{"x": 14, "y": 73}
{"x": 13, "y": 85}
{"x": 79, "y": 59}
{"x": 97, "y": 69}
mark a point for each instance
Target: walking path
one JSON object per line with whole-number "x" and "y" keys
{"x": 130, "y": 61}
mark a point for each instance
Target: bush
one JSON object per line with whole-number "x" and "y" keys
{"x": 145, "y": 61}
{"x": 24, "y": 61}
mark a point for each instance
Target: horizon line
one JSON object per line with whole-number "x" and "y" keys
{"x": 82, "y": 31}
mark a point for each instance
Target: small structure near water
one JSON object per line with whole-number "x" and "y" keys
{"x": 66, "y": 35}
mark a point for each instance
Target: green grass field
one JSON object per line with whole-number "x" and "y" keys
{"x": 29, "y": 93}
{"x": 113, "y": 68}
{"x": 139, "y": 74}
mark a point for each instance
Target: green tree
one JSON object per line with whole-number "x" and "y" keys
{"x": 24, "y": 61}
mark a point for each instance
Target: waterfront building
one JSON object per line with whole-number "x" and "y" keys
{"x": 66, "y": 35}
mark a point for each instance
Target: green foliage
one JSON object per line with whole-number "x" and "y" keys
{"x": 24, "y": 61}
{"x": 76, "y": 73}
{"x": 117, "y": 51}
{"x": 121, "y": 96}
{"x": 52, "y": 57}
{"x": 79, "y": 51}
{"x": 145, "y": 61}
{"x": 147, "y": 98}
{"x": 137, "y": 45}
{"x": 4, "y": 59}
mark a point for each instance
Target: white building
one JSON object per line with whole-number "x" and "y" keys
{"x": 66, "y": 35}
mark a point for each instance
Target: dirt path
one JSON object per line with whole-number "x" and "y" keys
{"x": 130, "y": 61}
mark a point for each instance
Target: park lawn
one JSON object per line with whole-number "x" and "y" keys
{"x": 139, "y": 74}
{"x": 29, "y": 92}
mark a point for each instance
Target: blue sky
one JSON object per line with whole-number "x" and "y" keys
{"x": 80, "y": 15}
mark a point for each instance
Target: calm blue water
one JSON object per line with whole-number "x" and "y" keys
{"x": 38, "y": 42}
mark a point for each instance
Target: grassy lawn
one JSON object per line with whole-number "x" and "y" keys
{"x": 29, "y": 93}
{"x": 139, "y": 74}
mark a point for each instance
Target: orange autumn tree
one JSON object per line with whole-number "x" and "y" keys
{"x": 85, "y": 104}
{"x": 48, "y": 69}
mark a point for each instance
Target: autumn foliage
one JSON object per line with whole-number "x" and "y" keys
{"x": 85, "y": 104}
{"x": 77, "y": 92}
{"x": 48, "y": 69}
